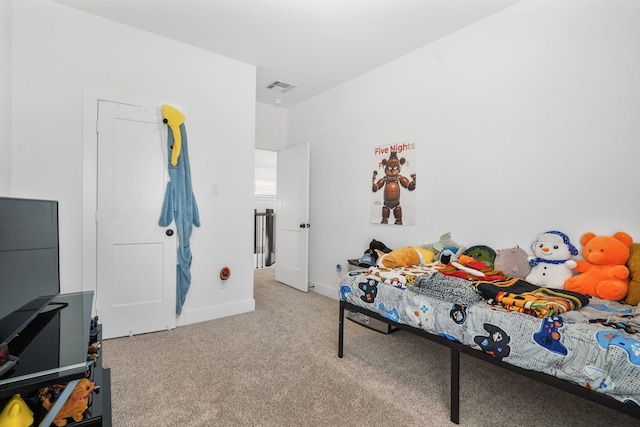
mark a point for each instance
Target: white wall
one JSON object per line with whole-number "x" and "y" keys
{"x": 525, "y": 122}
{"x": 58, "y": 51}
{"x": 271, "y": 127}
{"x": 5, "y": 97}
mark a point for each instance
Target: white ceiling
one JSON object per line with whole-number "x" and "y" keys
{"x": 312, "y": 44}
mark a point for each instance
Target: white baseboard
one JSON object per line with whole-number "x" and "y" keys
{"x": 327, "y": 291}
{"x": 215, "y": 312}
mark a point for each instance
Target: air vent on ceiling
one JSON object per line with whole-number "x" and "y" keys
{"x": 280, "y": 86}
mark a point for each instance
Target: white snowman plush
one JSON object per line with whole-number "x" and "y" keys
{"x": 552, "y": 263}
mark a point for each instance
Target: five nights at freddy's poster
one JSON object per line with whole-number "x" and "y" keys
{"x": 393, "y": 182}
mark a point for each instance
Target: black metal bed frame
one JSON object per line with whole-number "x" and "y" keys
{"x": 457, "y": 348}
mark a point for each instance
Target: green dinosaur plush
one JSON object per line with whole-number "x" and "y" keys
{"x": 482, "y": 253}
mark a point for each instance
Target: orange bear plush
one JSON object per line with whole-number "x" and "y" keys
{"x": 603, "y": 272}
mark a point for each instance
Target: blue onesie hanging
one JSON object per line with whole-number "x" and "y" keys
{"x": 179, "y": 201}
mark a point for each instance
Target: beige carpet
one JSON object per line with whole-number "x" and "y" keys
{"x": 278, "y": 366}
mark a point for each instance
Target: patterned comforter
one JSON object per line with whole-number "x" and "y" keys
{"x": 589, "y": 341}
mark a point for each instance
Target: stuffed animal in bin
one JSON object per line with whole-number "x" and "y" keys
{"x": 16, "y": 413}
{"x": 551, "y": 264}
{"x": 603, "y": 272}
{"x": 75, "y": 405}
{"x": 405, "y": 257}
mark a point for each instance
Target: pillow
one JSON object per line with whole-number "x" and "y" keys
{"x": 633, "y": 264}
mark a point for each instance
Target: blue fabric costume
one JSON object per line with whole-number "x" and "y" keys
{"x": 179, "y": 201}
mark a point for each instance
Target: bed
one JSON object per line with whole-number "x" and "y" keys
{"x": 584, "y": 345}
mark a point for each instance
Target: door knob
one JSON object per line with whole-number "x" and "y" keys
{"x": 169, "y": 232}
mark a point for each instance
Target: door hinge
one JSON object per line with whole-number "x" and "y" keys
{"x": 97, "y": 126}
{"x": 96, "y": 218}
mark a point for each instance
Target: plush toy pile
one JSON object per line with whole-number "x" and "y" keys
{"x": 609, "y": 268}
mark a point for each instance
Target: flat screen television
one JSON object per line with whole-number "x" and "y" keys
{"x": 29, "y": 261}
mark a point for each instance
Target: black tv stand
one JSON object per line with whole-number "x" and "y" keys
{"x": 52, "y": 350}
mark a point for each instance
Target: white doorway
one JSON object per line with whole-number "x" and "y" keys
{"x": 128, "y": 259}
{"x": 266, "y": 172}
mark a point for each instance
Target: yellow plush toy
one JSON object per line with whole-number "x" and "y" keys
{"x": 405, "y": 257}
{"x": 603, "y": 272}
{"x": 16, "y": 413}
{"x": 174, "y": 118}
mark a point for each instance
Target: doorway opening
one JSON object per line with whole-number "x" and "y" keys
{"x": 264, "y": 245}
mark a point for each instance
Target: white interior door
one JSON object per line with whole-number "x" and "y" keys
{"x": 292, "y": 217}
{"x": 136, "y": 259}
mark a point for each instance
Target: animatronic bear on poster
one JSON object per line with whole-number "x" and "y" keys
{"x": 391, "y": 181}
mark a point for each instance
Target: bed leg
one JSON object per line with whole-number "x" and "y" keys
{"x": 455, "y": 386}
{"x": 341, "y": 330}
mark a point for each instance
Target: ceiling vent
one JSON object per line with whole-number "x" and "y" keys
{"x": 280, "y": 86}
